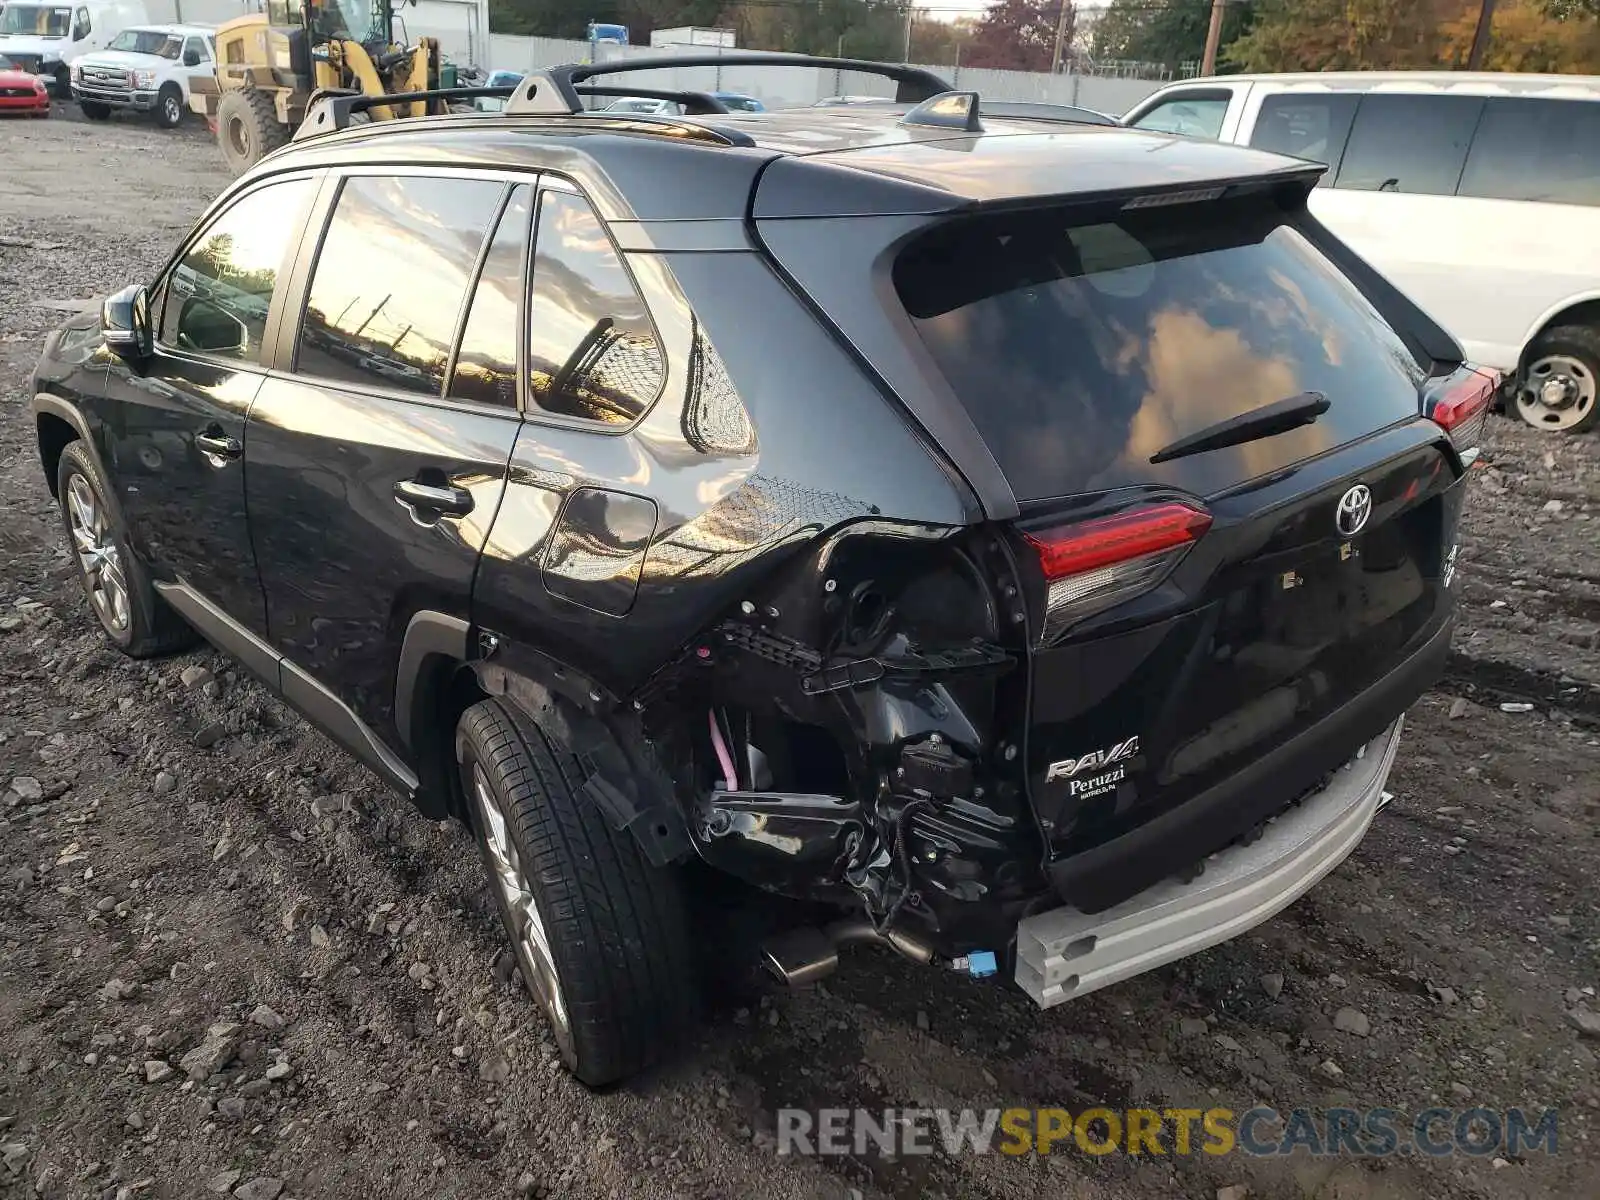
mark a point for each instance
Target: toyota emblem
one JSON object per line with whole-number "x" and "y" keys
{"x": 1355, "y": 506}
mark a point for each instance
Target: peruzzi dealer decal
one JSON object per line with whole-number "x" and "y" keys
{"x": 1097, "y": 772}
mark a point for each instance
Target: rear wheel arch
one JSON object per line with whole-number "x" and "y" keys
{"x": 1585, "y": 313}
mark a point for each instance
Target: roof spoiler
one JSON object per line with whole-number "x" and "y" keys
{"x": 554, "y": 92}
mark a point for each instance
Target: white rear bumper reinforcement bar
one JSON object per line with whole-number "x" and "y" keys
{"x": 1063, "y": 953}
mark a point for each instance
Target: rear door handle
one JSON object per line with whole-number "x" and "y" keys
{"x": 218, "y": 447}
{"x": 428, "y": 497}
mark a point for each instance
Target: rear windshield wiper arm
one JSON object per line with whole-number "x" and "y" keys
{"x": 1278, "y": 417}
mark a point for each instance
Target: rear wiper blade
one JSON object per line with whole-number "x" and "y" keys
{"x": 1278, "y": 417}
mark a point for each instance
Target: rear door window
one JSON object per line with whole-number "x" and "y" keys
{"x": 1414, "y": 144}
{"x": 1081, "y": 342}
{"x": 387, "y": 289}
{"x": 1536, "y": 150}
{"x": 1192, "y": 114}
{"x": 486, "y": 363}
{"x": 1305, "y": 126}
{"x": 215, "y": 300}
{"x": 592, "y": 351}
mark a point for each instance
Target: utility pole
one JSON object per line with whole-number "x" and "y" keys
{"x": 1208, "y": 63}
{"x": 1061, "y": 36}
{"x": 910, "y": 10}
{"x": 1480, "y": 38}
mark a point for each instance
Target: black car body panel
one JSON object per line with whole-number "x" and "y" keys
{"x": 774, "y": 570}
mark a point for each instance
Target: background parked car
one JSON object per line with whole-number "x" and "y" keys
{"x": 497, "y": 79}
{"x": 21, "y": 92}
{"x": 146, "y": 69}
{"x": 47, "y": 38}
{"x": 1477, "y": 194}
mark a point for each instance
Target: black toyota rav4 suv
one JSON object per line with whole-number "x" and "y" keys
{"x": 1022, "y": 536}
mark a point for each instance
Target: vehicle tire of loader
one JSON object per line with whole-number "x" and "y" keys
{"x": 115, "y": 582}
{"x": 94, "y": 110}
{"x": 600, "y": 935}
{"x": 248, "y": 128}
{"x": 169, "y": 107}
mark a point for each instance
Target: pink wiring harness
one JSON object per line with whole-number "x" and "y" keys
{"x": 729, "y": 775}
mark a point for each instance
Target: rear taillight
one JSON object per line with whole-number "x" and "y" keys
{"x": 1461, "y": 405}
{"x": 1093, "y": 565}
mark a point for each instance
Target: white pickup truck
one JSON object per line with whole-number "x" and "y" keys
{"x": 145, "y": 69}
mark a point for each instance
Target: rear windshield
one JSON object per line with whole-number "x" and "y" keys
{"x": 1083, "y": 341}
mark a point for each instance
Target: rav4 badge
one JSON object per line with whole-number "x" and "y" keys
{"x": 1068, "y": 768}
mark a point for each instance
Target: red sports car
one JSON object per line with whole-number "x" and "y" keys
{"x": 21, "y": 92}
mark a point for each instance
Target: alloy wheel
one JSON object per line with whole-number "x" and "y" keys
{"x": 98, "y": 556}
{"x": 532, "y": 942}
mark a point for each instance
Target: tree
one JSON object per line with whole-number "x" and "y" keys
{"x": 1018, "y": 35}
{"x": 1342, "y": 35}
{"x": 1169, "y": 34}
{"x": 1526, "y": 36}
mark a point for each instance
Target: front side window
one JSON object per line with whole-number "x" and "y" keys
{"x": 1310, "y": 126}
{"x": 1536, "y": 150}
{"x": 198, "y": 49}
{"x": 1193, "y": 114}
{"x": 216, "y": 298}
{"x": 390, "y": 279}
{"x": 1415, "y": 144}
{"x": 81, "y": 28}
{"x": 592, "y": 352}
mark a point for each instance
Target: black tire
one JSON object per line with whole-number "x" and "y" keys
{"x": 169, "y": 106}
{"x": 616, "y": 927}
{"x": 150, "y": 627}
{"x": 1576, "y": 348}
{"x": 248, "y": 128}
{"x": 94, "y": 110}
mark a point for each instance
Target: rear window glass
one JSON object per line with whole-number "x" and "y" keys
{"x": 1081, "y": 342}
{"x": 1415, "y": 144}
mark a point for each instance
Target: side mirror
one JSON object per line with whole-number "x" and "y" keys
{"x": 191, "y": 58}
{"x": 125, "y": 323}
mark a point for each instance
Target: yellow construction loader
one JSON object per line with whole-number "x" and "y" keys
{"x": 269, "y": 65}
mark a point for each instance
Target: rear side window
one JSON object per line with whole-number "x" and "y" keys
{"x": 1192, "y": 114}
{"x": 1305, "y": 126}
{"x": 388, "y": 285}
{"x": 1536, "y": 150}
{"x": 486, "y": 363}
{"x": 1415, "y": 144}
{"x": 1083, "y": 341}
{"x": 216, "y": 299}
{"x": 592, "y": 352}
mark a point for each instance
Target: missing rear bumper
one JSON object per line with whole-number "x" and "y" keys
{"x": 1064, "y": 953}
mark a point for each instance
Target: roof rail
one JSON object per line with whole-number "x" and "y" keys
{"x": 330, "y": 109}
{"x": 694, "y": 103}
{"x": 553, "y": 91}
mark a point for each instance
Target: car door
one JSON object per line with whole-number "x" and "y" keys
{"x": 175, "y": 423}
{"x": 372, "y": 473}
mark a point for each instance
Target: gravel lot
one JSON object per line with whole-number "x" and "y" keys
{"x": 151, "y": 889}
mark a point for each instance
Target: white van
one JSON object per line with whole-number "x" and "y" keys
{"x": 47, "y": 38}
{"x": 1478, "y": 194}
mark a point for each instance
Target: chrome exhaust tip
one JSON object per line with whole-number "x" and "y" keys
{"x": 799, "y": 957}
{"x": 803, "y": 956}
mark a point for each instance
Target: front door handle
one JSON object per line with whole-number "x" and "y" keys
{"x": 218, "y": 447}
{"x": 431, "y": 498}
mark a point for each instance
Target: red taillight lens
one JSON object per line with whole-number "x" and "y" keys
{"x": 1096, "y": 564}
{"x": 1462, "y": 405}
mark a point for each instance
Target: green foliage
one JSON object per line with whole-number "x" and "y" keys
{"x": 1169, "y": 33}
